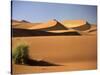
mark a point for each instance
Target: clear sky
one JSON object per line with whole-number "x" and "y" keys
{"x": 42, "y": 11}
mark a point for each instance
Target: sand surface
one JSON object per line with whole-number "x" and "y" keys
{"x": 68, "y": 66}
{"x": 59, "y": 48}
{"x": 72, "y": 52}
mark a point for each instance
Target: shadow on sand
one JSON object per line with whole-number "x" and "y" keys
{"x": 26, "y": 33}
{"x": 31, "y": 62}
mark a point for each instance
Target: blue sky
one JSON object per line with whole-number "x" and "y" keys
{"x": 42, "y": 11}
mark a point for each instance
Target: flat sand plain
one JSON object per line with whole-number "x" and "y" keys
{"x": 71, "y": 52}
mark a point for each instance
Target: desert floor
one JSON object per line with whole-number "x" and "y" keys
{"x": 71, "y": 52}
{"x": 68, "y": 66}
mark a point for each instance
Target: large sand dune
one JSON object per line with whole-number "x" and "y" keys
{"x": 49, "y": 28}
{"x": 50, "y": 25}
{"x": 53, "y": 27}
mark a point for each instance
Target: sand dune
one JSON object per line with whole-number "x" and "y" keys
{"x": 50, "y": 25}
{"x": 77, "y": 24}
{"x": 49, "y": 28}
{"x": 15, "y": 22}
{"x": 53, "y": 27}
{"x": 22, "y": 24}
{"x": 91, "y": 31}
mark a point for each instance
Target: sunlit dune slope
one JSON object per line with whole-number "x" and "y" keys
{"x": 62, "y": 31}
{"x": 77, "y": 24}
{"x": 15, "y": 22}
{"x": 50, "y": 25}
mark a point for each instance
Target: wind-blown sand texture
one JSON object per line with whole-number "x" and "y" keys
{"x": 54, "y": 42}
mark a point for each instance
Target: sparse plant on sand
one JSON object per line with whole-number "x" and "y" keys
{"x": 20, "y": 54}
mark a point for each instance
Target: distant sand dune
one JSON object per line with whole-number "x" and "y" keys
{"x": 22, "y": 24}
{"x": 52, "y": 27}
{"x": 80, "y": 26}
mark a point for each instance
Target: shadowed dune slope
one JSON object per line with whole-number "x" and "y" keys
{"x": 91, "y": 31}
{"x": 24, "y": 32}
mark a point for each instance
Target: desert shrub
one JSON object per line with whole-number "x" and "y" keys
{"x": 20, "y": 54}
